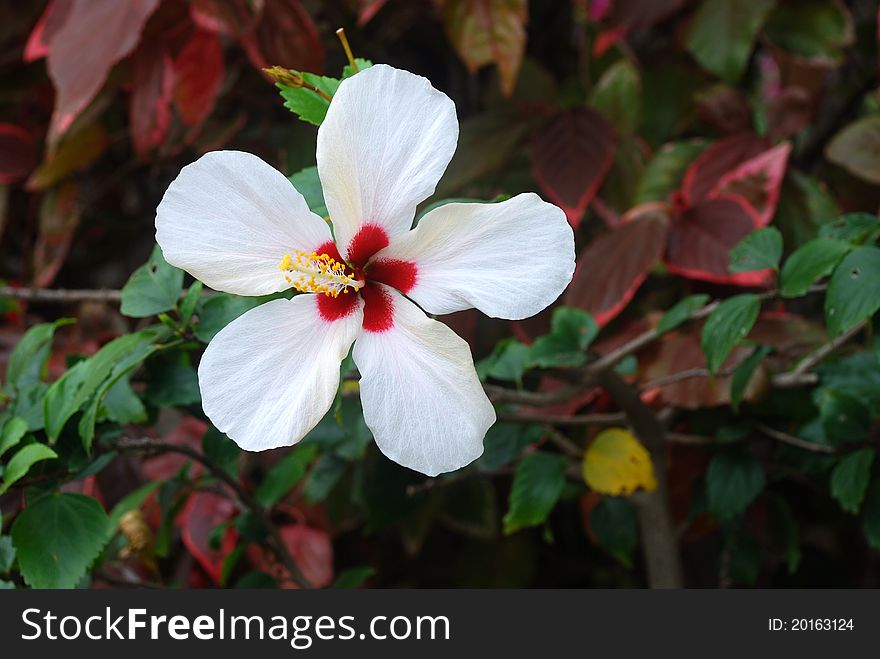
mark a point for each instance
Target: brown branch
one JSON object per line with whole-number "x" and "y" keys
{"x": 800, "y": 375}
{"x": 659, "y": 537}
{"x": 146, "y": 445}
{"x": 563, "y": 420}
{"x": 791, "y": 440}
{"x": 61, "y": 295}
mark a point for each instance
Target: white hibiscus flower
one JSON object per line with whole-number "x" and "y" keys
{"x": 239, "y": 226}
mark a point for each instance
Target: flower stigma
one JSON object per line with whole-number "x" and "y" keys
{"x": 318, "y": 273}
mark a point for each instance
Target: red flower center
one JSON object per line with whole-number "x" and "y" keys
{"x": 378, "y": 304}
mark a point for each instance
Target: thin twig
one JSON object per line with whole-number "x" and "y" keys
{"x": 146, "y": 445}
{"x": 791, "y": 440}
{"x": 598, "y": 419}
{"x": 800, "y": 374}
{"x": 564, "y": 444}
{"x": 61, "y": 295}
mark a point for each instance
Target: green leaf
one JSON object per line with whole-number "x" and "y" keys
{"x": 122, "y": 405}
{"x": 743, "y": 374}
{"x": 679, "y": 313}
{"x": 723, "y": 33}
{"x": 727, "y": 326}
{"x": 286, "y": 473}
{"x": 733, "y": 481}
{"x": 221, "y": 450}
{"x": 870, "y": 516}
{"x": 27, "y": 363}
{"x": 618, "y": 96}
{"x": 849, "y": 479}
{"x": 13, "y": 430}
{"x": 362, "y": 64}
{"x": 759, "y": 250}
{"x": 307, "y": 182}
{"x": 613, "y": 520}
{"x": 323, "y": 478}
{"x": 220, "y": 310}
{"x": 152, "y": 288}
{"x": 309, "y": 105}
{"x": 663, "y": 174}
{"x": 353, "y": 577}
{"x": 854, "y": 228}
{"x": 843, "y": 417}
{"x": 813, "y": 260}
{"x": 508, "y": 361}
{"x": 189, "y": 301}
{"x": 95, "y": 375}
{"x": 57, "y": 537}
{"x": 172, "y": 381}
{"x": 22, "y": 460}
{"x": 853, "y": 294}
{"x": 572, "y": 330}
{"x": 811, "y": 28}
{"x": 537, "y": 484}
{"x": 503, "y": 443}
{"x": 7, "y": 554}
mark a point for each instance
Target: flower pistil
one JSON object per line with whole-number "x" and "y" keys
{"x": 318, "y": 273}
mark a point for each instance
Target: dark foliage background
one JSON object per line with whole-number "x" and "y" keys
{"x": 668, "y": 130}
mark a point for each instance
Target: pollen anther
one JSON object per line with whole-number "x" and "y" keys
{"x": 317, "y": 273}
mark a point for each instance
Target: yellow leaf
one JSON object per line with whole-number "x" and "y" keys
{"x": 616, "y": 463}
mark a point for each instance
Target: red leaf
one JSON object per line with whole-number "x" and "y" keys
{"x": 39, "y": 42}
{"x": 367, "y": 9}
{"x": 152, "y": 87}
{"x": 311, "y": 550}
{"x": 489, "y": 32}
{"x": 226, "y": 17}
{"x": 96, "y": 35}
{"x": 701, "y": 237}
{"x": 716, "y": 161}
{"x": 758, "y": 181}
{"x": 623, "y": 16}
{"x": 285, "y": 36}
{"x": 613, "y": 266}
{"x": 18, "y": 156}
{"x": 198, "y": 75}
{"x": 188, "y": 432}
{"x": 204, "y": 511}
{"x": 571, "y": 155}
{"x": 59, "y": 216}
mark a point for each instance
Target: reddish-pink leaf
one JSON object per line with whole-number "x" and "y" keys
{"x": 312, "y": 551}
{"x": 96, "y": 35}
{"x": 367, "y": 9}
{"x": 198, "y": 75}
{"x": 59, "y": 216}
{"x": 489, "y": 32}
{"x": 226, "y": 17}
{"x": 758, "y": 181}
{"x": 701, "y": 237}
{"x": 150, "y": 105}
{"x": 39, "y": 42}
{"x": 204, "y": 511}
{"x": 615, "y": 264}
{"x": 571, "y": 155}
{"x": 716, "y": 161}
{"x": 623, "y": 16}
{"x": 285, "y": 36}
{"x": 18, "y": 155}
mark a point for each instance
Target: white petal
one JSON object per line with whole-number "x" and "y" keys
{"x": 271, "y": 375}
{"x": 383, "y": 146}
{"x": 509, "y": 260}
{"x": 420, "y": 392}
{"x": 229, "y": 218}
